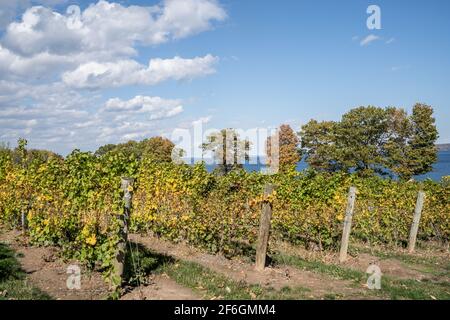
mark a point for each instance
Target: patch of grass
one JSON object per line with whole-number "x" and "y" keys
{"x": 430, "y": 265}
{"x": 403, "y": 257}
{"x": 205, "y": 282}
{"x": 332, "y": 270}
{"x": 212, "y": 285}
{"x": 9, "y": 266}
{"x": 208, "y": 283}
{"x": 390, "y": 287}
{"x": 13, "y": 285}
{"x": 415, "y": 290}
{"x": 140, "y": 262}
{"x": 20, "y": 290}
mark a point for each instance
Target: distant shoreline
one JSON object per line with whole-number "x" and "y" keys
{"x": 443, "y": 147}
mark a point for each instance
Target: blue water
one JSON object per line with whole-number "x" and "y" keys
{"x": 440, "y": 169}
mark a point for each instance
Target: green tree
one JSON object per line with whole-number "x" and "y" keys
{"x": 101, "y": 151}
{"x": 423, "y": 150}
{"x": 5, "y": 157}
{"x": 371, "y": 140}
{"x": 361, "y": 135}
{"x": 319, "y": 144}
{"x": 411, "y": 149}
{"x": 158, "y": 148}
{"x": 396, "y": 149}
{"x": 230, "y": 152}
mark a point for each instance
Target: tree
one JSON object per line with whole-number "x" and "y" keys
{"x": 353, "y": 144}
{"x": 396, "y": 148}
{"x": 158, "y": 148}
{"x": 423, "y": 142}
{"x": 288, "y": 144}
{"x": 230, "y": 152}
{"x": 411, "y": 149}
{"x": 361, "y": 135}
{"x": 101, "y": 151}
{"x": 371, "y": 140}
{"x": 319, "y": 144}
{"x": 25, "y": 157}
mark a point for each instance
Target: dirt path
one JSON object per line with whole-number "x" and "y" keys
{"x": 274, "y": 277}
{"x": 389, "y": 266}
{"x": 49, "y": 273}
{"x": 161, "y": 288}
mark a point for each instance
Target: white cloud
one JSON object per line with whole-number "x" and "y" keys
{"x": 109, "y": 27}
{"x": 129, "y": 72}
{"x": 10, "y": 8}
{"x": 391, "y": 40}
{"x": 367, "y": 40}
{"x": 399, "y": 68}
{"x": 180, "y": 19}
{"x": 49, "y": 2}
{"x": 46, "y": 43}
{"x": 48, "y": 57}
{"x": 42, "y": 65}
{"x": 155, "y": 107}
{"x": 201, "y": 120}
{"x": 66, "y": 123}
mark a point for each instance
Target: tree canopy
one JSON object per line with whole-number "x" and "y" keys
{"x": 229, "y": 150}
{"x": 289, "y": 153}
{"x": 371, "y": 140}
{"x": 158, "y": 148}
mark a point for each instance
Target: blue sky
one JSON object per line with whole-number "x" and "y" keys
{"x": 260, "y": 63}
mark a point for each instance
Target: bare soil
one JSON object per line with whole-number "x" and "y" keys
{"x": 161, "y": 287}
{"x": 48, "y": 272}
{"x": 239, "y": 270}
{"x": 389, "y": 266}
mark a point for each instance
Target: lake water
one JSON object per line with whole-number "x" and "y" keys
{"x": 440, "y": 169}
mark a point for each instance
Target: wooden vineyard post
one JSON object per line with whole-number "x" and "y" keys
{"x": 119, "y": 263}
{"x": 415, "y": 223}
{"x": 23, "y": 220}
{"x": 264, "y": 230}
{"x": 23, "y": 217}
{"x": 347, "y": 224}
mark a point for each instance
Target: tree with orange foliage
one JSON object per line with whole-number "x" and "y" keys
{"x": 289, "y": 151}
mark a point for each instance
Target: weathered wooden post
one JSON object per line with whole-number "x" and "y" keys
{"x": 119, "y": 263}
{"x": 415, "y": 223}
{"x": 347, "y": 224}
{"x": 264, "y": 230}
{"x": 23, "y": 220}
{"x": 23, "y": 217}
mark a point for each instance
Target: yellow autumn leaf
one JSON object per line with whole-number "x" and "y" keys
{"x": 91, "y": 240}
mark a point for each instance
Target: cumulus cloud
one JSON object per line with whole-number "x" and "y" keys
{"x": 369, "y": 39}
{"x": 48, "y": 56}
{"x": 201, "y": 120}
{"x": 74, "y": 123}
{"x": 128, "y": 72}
{"x": 10, "y": 8}
{"x": 155, "y": 107}
{"x": 109, "y": 27}
{"x": 41, "y": 65}
{"x": 180, "y": 19}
